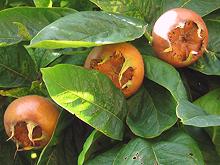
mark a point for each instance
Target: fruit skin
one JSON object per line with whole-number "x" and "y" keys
{"x": 35, "y": 109}
{"x": 168, "y": 21}
{"x": 130, "y": 53}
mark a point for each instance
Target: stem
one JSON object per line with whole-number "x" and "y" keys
{"x": 148, "y": 37}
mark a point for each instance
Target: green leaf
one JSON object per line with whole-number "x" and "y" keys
{"x": 205, "y": 144}
{"x": 72, "y": 56}
{"x": 79, "y": 5}
{"x": 148, "y": 116}
{"x": 95, "y": 143}
{"x": 210, "y": 103}
{"x": 43, "y": 57}
{"x": 88, "y": 94}
{"x": 16, "y": 67}
{"x": 165, "y": 75}
{"x": 94, "y": 136}
{"x": 88, "y": 29}
{"x": 36, "y": 88}
{"x": 43, "y": 3}
{"x": 106, "y": 158}
{"x": 178, "y": 148}
{"x": 136, "y": 8}
{"x": 19, "y": 24}
{"x": 202, "y": 7}
{"x": 150, "y": 10}
{"x": 66, "y": 142}
{"x": 17, "y": 3}
{"x": 210, "y": 62}
{"x": 191, "y": 114}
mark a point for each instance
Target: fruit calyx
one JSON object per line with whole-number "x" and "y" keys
{"x": 185, "y": 41}
{"x": 27, "y": 135}
{"x": 117, "y": 67}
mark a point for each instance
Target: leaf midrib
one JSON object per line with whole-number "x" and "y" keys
{"x": 14, "y": 72}
{"x": 87, "y": 100}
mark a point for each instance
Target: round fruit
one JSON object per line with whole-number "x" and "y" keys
{"x": 122, "y": 63}
{"x": 30, "y": 121}
{"x": 180, "y": 37}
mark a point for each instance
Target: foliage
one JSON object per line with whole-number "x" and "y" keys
{"x": 174, "y": 117}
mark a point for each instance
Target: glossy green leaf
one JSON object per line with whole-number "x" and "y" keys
{"x": 87, "y": 29}
{"x": 190, "y": 114}
{"x": 18, "y": 24}
{"x": 43, "y": 57}
{"x": 16, "y": 67}
{"x": 210, "y": 62}
{"x": 88, "y": 94}
{"x": 72, "y": 56}
{"x": 165, "y": 75}
{"x": 178, "y": 148}
{"x": 148, "y": 116}
{"x": 202, "y": 7}
{"x": 150, "y": 10}
{"x": 210, "y": 103}
{"x": 136, "y": 8}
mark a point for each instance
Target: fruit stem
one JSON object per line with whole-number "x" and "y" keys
{"x": 148, "y": 37}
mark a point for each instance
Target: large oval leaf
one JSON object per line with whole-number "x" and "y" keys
{"x": 149, "y": 116}
{"x": 150, "y": 10}
{"x": 16, "y": 67}
{"x": 146, "y": 10}
{"x": 18, "y": 24}
{"x": 88, "y": 94}
{"x": 190, "y": 114}
{"x": 211, "y": 104}
{"x": 87, "y": 29}
{"x": 165, "y": 75}
{"x": 178, "y": 148}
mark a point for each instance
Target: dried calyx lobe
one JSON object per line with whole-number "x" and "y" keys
{"x": 27, "y": 135}
{"x": 186, "y": 41}
{"x": 112, "y": 66}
